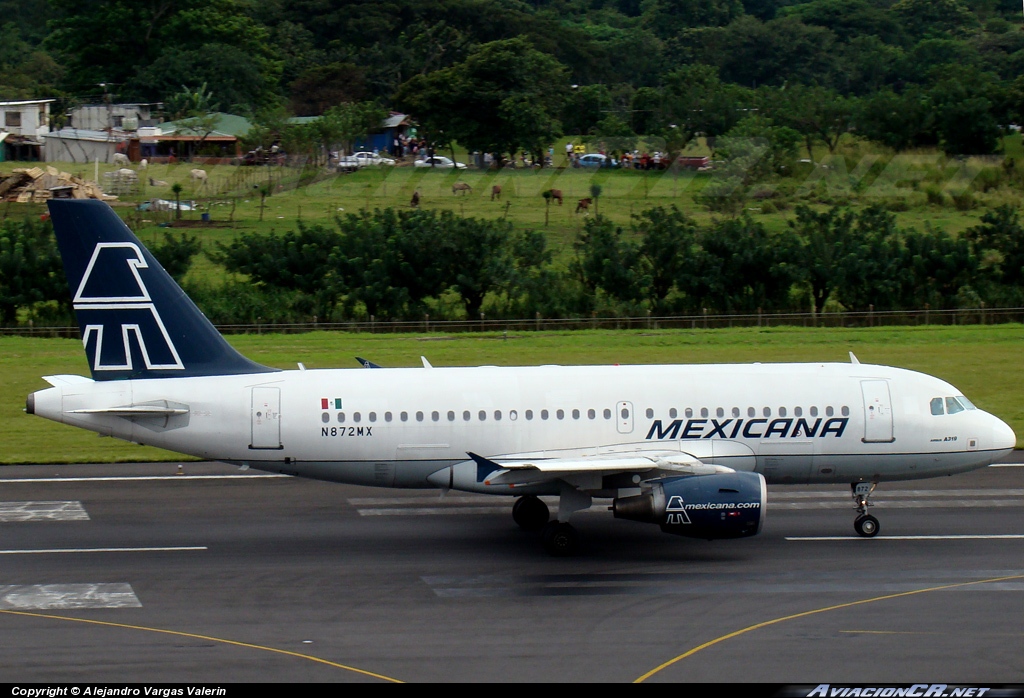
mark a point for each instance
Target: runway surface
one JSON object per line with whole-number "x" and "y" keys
{"x": 135, "y": 573}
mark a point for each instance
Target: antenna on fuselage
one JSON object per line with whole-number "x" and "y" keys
{"x": 854, "y": 359}
{"x": 426, "y": 364}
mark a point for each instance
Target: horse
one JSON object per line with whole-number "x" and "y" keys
{"x": 584, "y": 205}
{"x": 555, "y": 194}
{"x": 461, "y": 186}
{"x": 496, "y": 192}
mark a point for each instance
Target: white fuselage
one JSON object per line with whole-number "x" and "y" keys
{"x": 793, "y": 423}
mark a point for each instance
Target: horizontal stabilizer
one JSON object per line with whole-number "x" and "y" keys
{"x": 160, "y": 408}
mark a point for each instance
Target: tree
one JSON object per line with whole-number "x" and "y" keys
{"x": 607, "y": 261}
{"x": 505, "y": 97}
{"x": 30, "y": 268}
{"x": 999, "y": 245}
{"x": 816, "y": 113}
{"x": 175, "y": 253}
{"x": 300, "y": 260}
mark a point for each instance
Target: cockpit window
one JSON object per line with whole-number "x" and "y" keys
{"x": 966, "y": 403}
{"x": 953, "y": 406}
{"x": 937, "y": 406}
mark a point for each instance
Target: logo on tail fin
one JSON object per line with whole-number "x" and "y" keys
{"x": 113, "y": 305}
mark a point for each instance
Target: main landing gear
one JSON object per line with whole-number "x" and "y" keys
{"x": 865, "y": 524}
{"x": 559, "y": 536}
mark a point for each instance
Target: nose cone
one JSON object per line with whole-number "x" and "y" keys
{"x": 1003, "y": 438}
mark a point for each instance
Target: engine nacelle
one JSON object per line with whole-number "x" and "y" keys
{"x": 725, "y": 505}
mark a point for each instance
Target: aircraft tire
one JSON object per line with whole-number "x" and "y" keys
{"x": 561, "y": 539}
{"x": 530, "y": 513}
{"x": 866, "y": 526}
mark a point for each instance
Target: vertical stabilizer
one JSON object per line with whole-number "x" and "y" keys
{"x": 136, "y": 322}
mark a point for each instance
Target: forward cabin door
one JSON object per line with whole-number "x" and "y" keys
{"x": 877, "y": 412}
{"x": 266, "y": 418}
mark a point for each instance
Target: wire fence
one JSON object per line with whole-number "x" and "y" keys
{"x": 702, "y": 321}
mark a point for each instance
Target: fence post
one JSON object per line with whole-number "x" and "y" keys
{"x": 758, "y": 317}
{"x": 426, "y": 321}
{"x": 705, "y": 311}
{"x": 871, "y": 315}
{"x": 927, "y": 308}
{"x": 536, "y": 320}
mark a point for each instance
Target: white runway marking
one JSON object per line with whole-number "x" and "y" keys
{"x": 51, "y": 551}
{"x": 42, "y": 511}
{"x": 966, "y": 536}
{"x": 128, "y": 478}
{"x": 51, "y": 597}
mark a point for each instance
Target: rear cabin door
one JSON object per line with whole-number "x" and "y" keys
{"x": 877, "y": 412}
{"x": 266, "y": 418}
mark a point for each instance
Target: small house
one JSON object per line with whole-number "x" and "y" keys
{"x": 22, "y": 125}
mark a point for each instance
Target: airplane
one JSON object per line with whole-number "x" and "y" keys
{"x": 689, "y": 448}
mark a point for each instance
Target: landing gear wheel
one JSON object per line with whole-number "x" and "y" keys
{"x": 530, "y": 513}
{"x": 561, "y": 539}
{"x": 866, "y": 526}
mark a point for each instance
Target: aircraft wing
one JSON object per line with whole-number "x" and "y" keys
{"x": 529, "y": 471}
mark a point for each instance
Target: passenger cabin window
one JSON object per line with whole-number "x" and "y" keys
{"x": 529, "y": 414}
{"x": 672, "y": 413}
{"x": 649, "y": 413}
{"x": 543, "y": 414}
{"x": 419, "y": 417}
{"x": 607, "y": 414}
{"x": 466, "y": 416}
{"x": 341, "y": 417}
{"x": 591, "y": 414}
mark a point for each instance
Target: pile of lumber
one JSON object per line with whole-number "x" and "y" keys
{"x": 35, "y": 184}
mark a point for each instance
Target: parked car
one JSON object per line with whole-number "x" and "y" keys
{"x": 351, "y": 163}
{"x": 439, "y": 162}
{"x": 594, "y": 160}
{"x": 367, "y": 158}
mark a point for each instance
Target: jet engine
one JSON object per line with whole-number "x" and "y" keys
{"x": 723, "y": 505}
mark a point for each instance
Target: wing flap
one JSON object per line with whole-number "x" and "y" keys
{"x": 526, "y": 471}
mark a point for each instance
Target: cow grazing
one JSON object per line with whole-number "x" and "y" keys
{"x": 463, "y": 187}
{"x": 198, "y": 177}
{"x": 121, "y": 159}
{"x": 584, "y": 205}
{"x": 415, "y": 202}
{"x": 496, "y": 192}
{"x": 555, "y": 194}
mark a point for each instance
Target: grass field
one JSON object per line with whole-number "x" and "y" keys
{"x": 982, "y": 361}
{"x": 858, "y": 176}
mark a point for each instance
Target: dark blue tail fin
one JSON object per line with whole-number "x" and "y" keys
{"x": 136, "y": 322}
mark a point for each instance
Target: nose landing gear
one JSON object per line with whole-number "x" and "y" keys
{"x": 865, "y": 524}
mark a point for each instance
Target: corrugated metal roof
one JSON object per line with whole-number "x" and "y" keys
{"x": 82, "y": 134}
{"x": 23, "y": 102}
{"x": 225, "y": 125}
{"x": 394, "y": 120}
